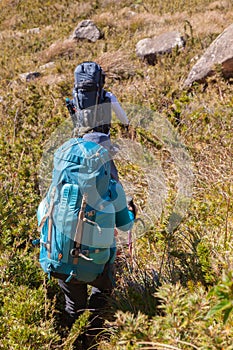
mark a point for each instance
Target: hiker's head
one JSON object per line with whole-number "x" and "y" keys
{"x": 88, "y": 75}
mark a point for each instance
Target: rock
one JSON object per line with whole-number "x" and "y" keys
{"x": 219, "y": 4}
{"x": 30, "y": 76}
{"x": 86, "y": 30}
{"x": 33, "y": 31}
{"x": 149, "y": 48}
{"x": 219, "y": 53}
{"x": 47, "y": 66}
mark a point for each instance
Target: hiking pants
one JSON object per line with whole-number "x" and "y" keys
{"x": 76, "y": 302}
{"x": 77, "y": 299}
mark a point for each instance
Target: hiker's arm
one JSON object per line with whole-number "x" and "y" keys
{"x": 124, "y": 216}
{"x": 124, "y": 220}
{"x": 118, "y": 110}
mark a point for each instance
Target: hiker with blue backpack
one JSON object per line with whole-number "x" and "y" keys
{"x": 79, "y": 217}
{"x": 78, "y": 220}
{"x": 91, "y": 107}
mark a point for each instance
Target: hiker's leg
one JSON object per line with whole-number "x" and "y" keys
{"x": 99, "y": 303}
{"x": 75, "y": 299}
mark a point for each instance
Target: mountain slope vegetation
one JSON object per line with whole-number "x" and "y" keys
{"x": 176, "y": 290}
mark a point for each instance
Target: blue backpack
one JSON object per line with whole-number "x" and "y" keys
{"x": 91, "y": 108}
{"x": 76, "y": 219}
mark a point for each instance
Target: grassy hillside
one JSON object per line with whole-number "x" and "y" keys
{"x": 184, "y": 138}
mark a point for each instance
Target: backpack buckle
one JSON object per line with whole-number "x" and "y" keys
{"x": 75, "y": 252}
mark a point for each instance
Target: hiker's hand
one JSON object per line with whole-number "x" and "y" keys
{"x": 132, "y": 207}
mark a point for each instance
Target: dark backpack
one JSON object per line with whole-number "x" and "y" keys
{"x": 76, "y": 218}
{"x": 91, "y": 107}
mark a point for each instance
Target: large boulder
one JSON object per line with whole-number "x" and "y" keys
{"x": 86, "y": 30}
{"x": 149, "y": 48}
{"x": 218, "y": 55}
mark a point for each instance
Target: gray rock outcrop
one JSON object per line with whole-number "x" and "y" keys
{"x": 30, "y": 76}
{"x": 219, "y": 54}
{"x": 149, "y": 48}
{"x": 86, "y": 30}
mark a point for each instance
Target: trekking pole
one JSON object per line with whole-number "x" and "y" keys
{"x": 130, "y": 237}
{"x": 130, "y": 243}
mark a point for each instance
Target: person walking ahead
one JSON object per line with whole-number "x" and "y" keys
{"x": 92, "y": 106}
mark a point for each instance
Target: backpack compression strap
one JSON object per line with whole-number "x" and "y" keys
{"x": 50, "y": 222}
